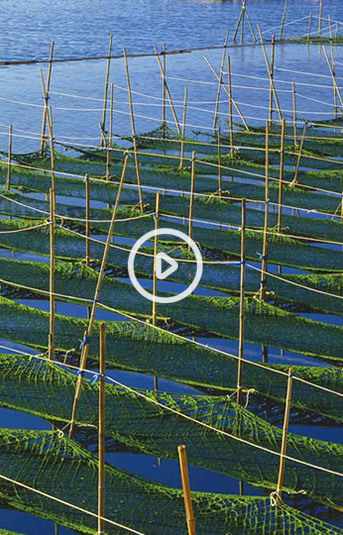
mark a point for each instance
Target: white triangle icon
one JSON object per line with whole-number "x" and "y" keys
{"x": 173, "y": 266}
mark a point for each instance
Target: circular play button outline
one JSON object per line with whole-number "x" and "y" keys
{"x": 170, "y": 232}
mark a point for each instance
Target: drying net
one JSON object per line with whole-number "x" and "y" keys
{"x": 60, "y": 467}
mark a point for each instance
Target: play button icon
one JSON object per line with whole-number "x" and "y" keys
{"x": 162, "y": 258}
{"x": 165, "y": 265}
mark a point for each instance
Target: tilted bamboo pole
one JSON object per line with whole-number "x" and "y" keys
{"x": 229, "y": 83}
{"x": 333, "y": 66}
{"x": 333, "y": 76}
{"x": 177, "y": 124}
{"x": 251, "y": 26}
{"x": 219, "y": 153}
{"x": 220, "y": 82}
{"x": 107, "y": 76}
{"x": 85, "y": 343}
{"x": 191, "y": 199}
{"x": 183, "y": 135}
{"x": 281, "y": 173}
{"x": 297, "y": 166}
{"x": 9, "y": 163}
{"x": 101, "y": 430}
{"x": 241, "y": 308}
{"x": 186, "y": 490}
{"x": 227, "y": 92}
{"x": 110, "y": 139}
{"x": 270, "y": 73}
{"x": 294, "y": 100}
{"x": 46, "y": 99}
{"x": 237, "y": 24}
{"x": 52, "y": 304}
{"x": 284, "y": 435}
{"x": 133, "y": 130}
{"x": 284, "y": 14}
{"x": 243, "y": 19}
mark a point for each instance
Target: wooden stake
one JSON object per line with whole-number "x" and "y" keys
{"x": 229, "y": 83}
{"x": 191, "y": 200}
{"x": 177, "y": 124}
{"x": 186, "y": 490}
{"x": 269, "y": 73}
{"x": 296, "y": 170}
{"x": 87, "y": 257}
{"x": 227, "y": 92}
{"x": 219, "y": 164}
{"x": 52, "y": 306}
{"x": 333, "y": 67}
{"x": 157, "y": 224}
{"x": 294, "y": 98}
{"x": 9, "y": 163}
{"x": 46, "y": 99}
{"x": 133, "y": 130}
{"x": 237, "y": 24}
{"x": 281, "y": 172}
{"x": 220, "y": 82}
{"x": 283, "y": 20}
{"x": 101, "y": 433}
{"x": 320, "y": 17}
{"x": 107, "y": 76}
{"x": 241, "y": 308}
{"x": 309, "y": 28}
{"x": 85, "y": 343}
{"x": 263, "y": 289}
{"x": 182, "y": 147}
{"x": 164, "y": 74}
{"x": 284, "y": 435}
{"x": 243, "y": 20}
{"x": 333, "y": 76}
{"x": 251, "y": 26}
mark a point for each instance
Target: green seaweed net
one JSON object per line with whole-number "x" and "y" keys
{"x": 40, "y": 387}
{"x": 59, "y": 467}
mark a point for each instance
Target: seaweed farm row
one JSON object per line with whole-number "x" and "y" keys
{"x": 264, "y": 204}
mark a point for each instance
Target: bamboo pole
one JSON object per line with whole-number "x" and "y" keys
{"x": 157, "y": 224}
{"x": 164, "y": 74}
{"x": 320, "y": 17}
{"x": 220, "y": 189}
{"x": 251, "y": 26}
{"x": 191, "y": 200}
{"x": 220, "y": 82}
{"x": 101, "y": 432}
{"x": 186, "y": 490}
{"x": 85, "y": 343}
{"x": 263, "y": 289}
{"x": 237, "y": 24}
{"x": 241, "y": 307}
{"x": 333, "y": 76}
{"x": 297, "y": 166}
{"x": 154, "y": 291}
{"x": 87, "y": 256}
{"x": 309, "y": 28}
{"x": 281, "y": 173}
{"x": 52, "y": 304}
{"x": 333, "y": 67}
{"x": 284, "y": 435}
{"x": 284, "y": 14}
{"x": 243, "y": 20}
{"x": 110, "y": 139}
{"x": 227, "y": 92}
{"x": 182, "y": 146}
{"x": 107, "y": 76}
{"x": 177, "y": 124}
{"x": 269, "y": 73}
{"x": 133, "y": 130}
{"x": 294, "y": 99}
{"x": 9, "y": 163}
{"x": 229, "y": 83}
{"x": 46, "y": 99}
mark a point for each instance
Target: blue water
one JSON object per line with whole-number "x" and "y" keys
{"x": 83, "y": 29}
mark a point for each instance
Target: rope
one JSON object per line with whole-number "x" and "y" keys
{"x": 26, "y": 228}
